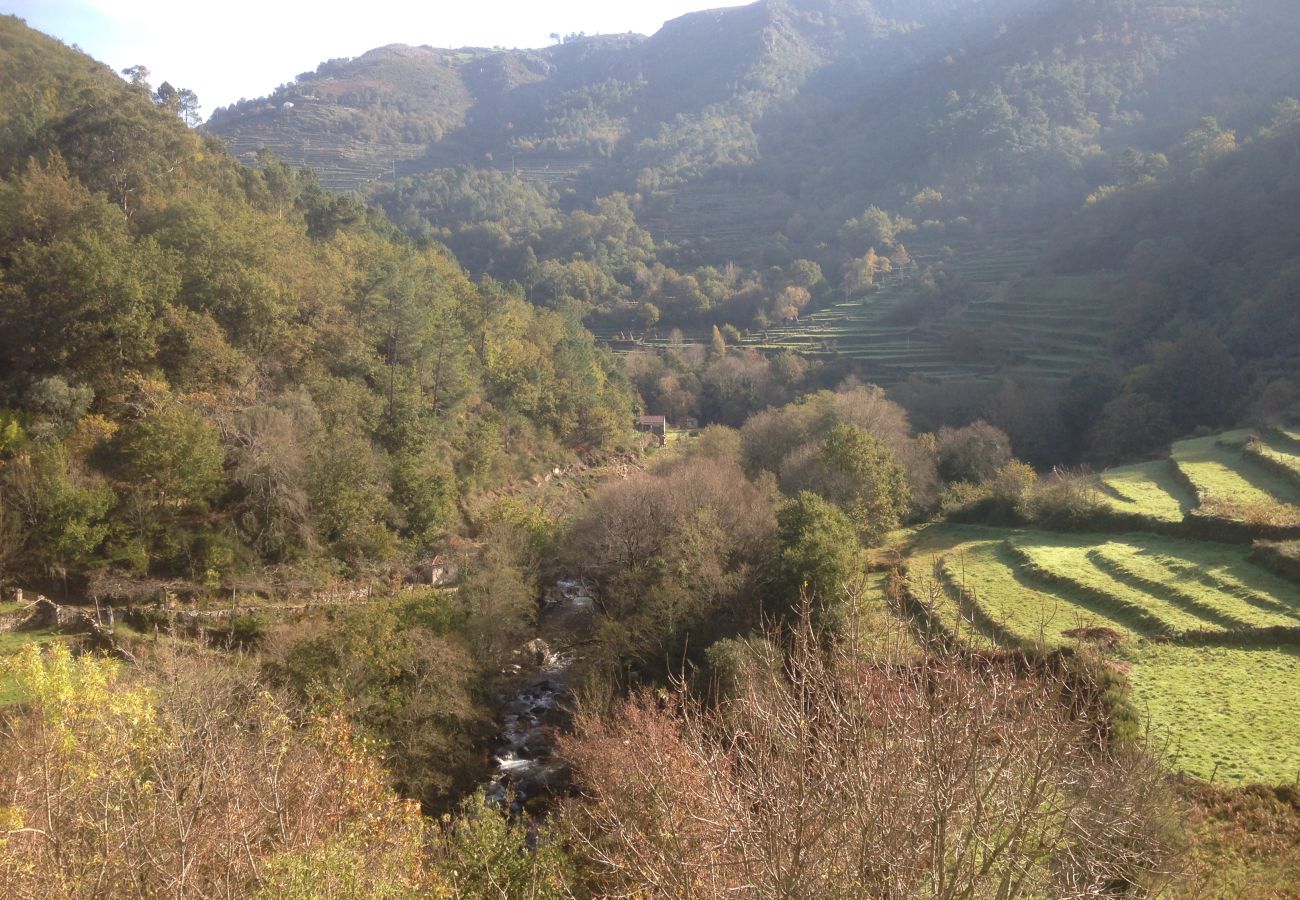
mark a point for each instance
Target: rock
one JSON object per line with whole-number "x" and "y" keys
{"x": 539, "y": 650}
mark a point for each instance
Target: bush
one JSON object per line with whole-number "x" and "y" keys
{"x": 973, "y": 453}
{"x": 199, "y": 781}
{"x": 405, "y": 675}
{"x": 482, "y": 853}
{"x": 1065, "y": 500}
{"x": 828, "y": 777}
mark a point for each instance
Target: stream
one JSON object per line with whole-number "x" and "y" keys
{"x": 538, "y": 704}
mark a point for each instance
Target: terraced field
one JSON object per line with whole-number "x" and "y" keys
{"x": 1078, "y": 563}
{"x": 1225, "y": 713}
{"x": 341, "y": 163}
{"x": 1278, "y": 453}
{"x": 1232, "y": 485}
{"x": 716, "y": 218}
{"x": 1209, "y": 640}
{"x": 1051, "y": 327}
{"x": 859, "y": 329}
{"x": 1046, "y": 328}
{"x": 1148, "y": 489}
{"x": 987, "y": 593}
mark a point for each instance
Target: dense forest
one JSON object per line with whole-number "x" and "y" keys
{"x": 181, "y": 333}
{"x": 335, "y": 563}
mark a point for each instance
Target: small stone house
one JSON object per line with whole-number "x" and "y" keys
{"x": 654, "y": 425}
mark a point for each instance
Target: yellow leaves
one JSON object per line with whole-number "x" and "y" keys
{"x": 91, "y": 432}
{"x": 1101, "y": 194}
{"x": 87, "y": 711}
{"x": 11, "y": 819}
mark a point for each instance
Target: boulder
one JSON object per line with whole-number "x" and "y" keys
{"x": 538, "y": 650}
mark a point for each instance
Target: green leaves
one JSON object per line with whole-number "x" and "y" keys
{"x": 860, "y": 474}
{"x": 172, "y": 453}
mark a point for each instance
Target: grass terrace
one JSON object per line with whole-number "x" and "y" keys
{"x": 1203, "y": 634}
{"x": 1231, "y": 485}
{"x": 1072, "y": 561}
{"x": 1222, "y": 713}
{"x": 1149, "y": 489}
{"x": 983, "y": 581}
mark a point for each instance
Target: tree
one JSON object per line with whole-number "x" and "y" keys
{"x": 167, "y": 97}
{"x": 173, "y": 455}
{"x": 806, "y": 274}
{"x": 500, "y": 596}
{"x": 970, "y": 778}
{"x": 269, "y": 473}
{"x": 61, "y": 512}
{"x": 672, "y": 555}
{"x": 485, "y": 854}
{"x": 199, "y": 780}
{"x": 79, "y": 294}
{"x": 402, "y": 673}
{"x": 647, "y": 316}
{"x": 717, "y": 344}
{"x": 820, "y": 559}
{"x": 972, "y": 453}
{"x": 854, "y": 470}
{"x": 138, "y": 75}
{"x": 187, "y": 104}
{"x": 791, "y": 301}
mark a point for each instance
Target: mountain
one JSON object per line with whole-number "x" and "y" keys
{"x": 211, "y": 373}
{"x": 1000, "y": 106}
{"x": 894, "y": 186}
{"x": 585, "y": 100}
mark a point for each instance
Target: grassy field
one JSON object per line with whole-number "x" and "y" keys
{"x": 1230, "y": 485}
{"x": 1147, "y": 489}
{"x": 1218, "y": 712}
{"x": 1072, "y": 560}
{"x": 1166, "y": 605}
{"x": 1044, "y": 327}
{"x": 1280, "y": 454}
{"x": 979, "y": 570}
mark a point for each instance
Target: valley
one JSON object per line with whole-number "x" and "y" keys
{"x": 822, "y": 449}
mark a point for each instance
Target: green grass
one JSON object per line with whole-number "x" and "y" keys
{"x": 1147, "y": 489}
{"x": 1278, "y": 454}
{"x": 1032, "y": 616}
{"x": 1184, "y": 581}
{"x": 1229, "y": 485}
{"x": 1068, "y": 559}
{"x": 1224, "y": 712}
{"x": 1044, "y": 326}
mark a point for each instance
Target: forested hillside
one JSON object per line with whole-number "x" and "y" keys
{"x": 210, "y": 372}
{"x": 869, "y": 183}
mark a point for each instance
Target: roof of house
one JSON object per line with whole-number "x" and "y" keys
{"x": 652, "y": 420}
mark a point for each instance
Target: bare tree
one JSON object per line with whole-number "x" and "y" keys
{"x": 944, "y": 777}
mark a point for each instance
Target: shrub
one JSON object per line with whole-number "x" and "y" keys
{"x": 197, "y": 779}
{"x": 828, "y": 777}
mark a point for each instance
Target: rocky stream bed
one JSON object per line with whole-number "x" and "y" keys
{"x": 538, "y": 704}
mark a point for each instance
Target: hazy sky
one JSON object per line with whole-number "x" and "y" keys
{"x": 227, "y": 49}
